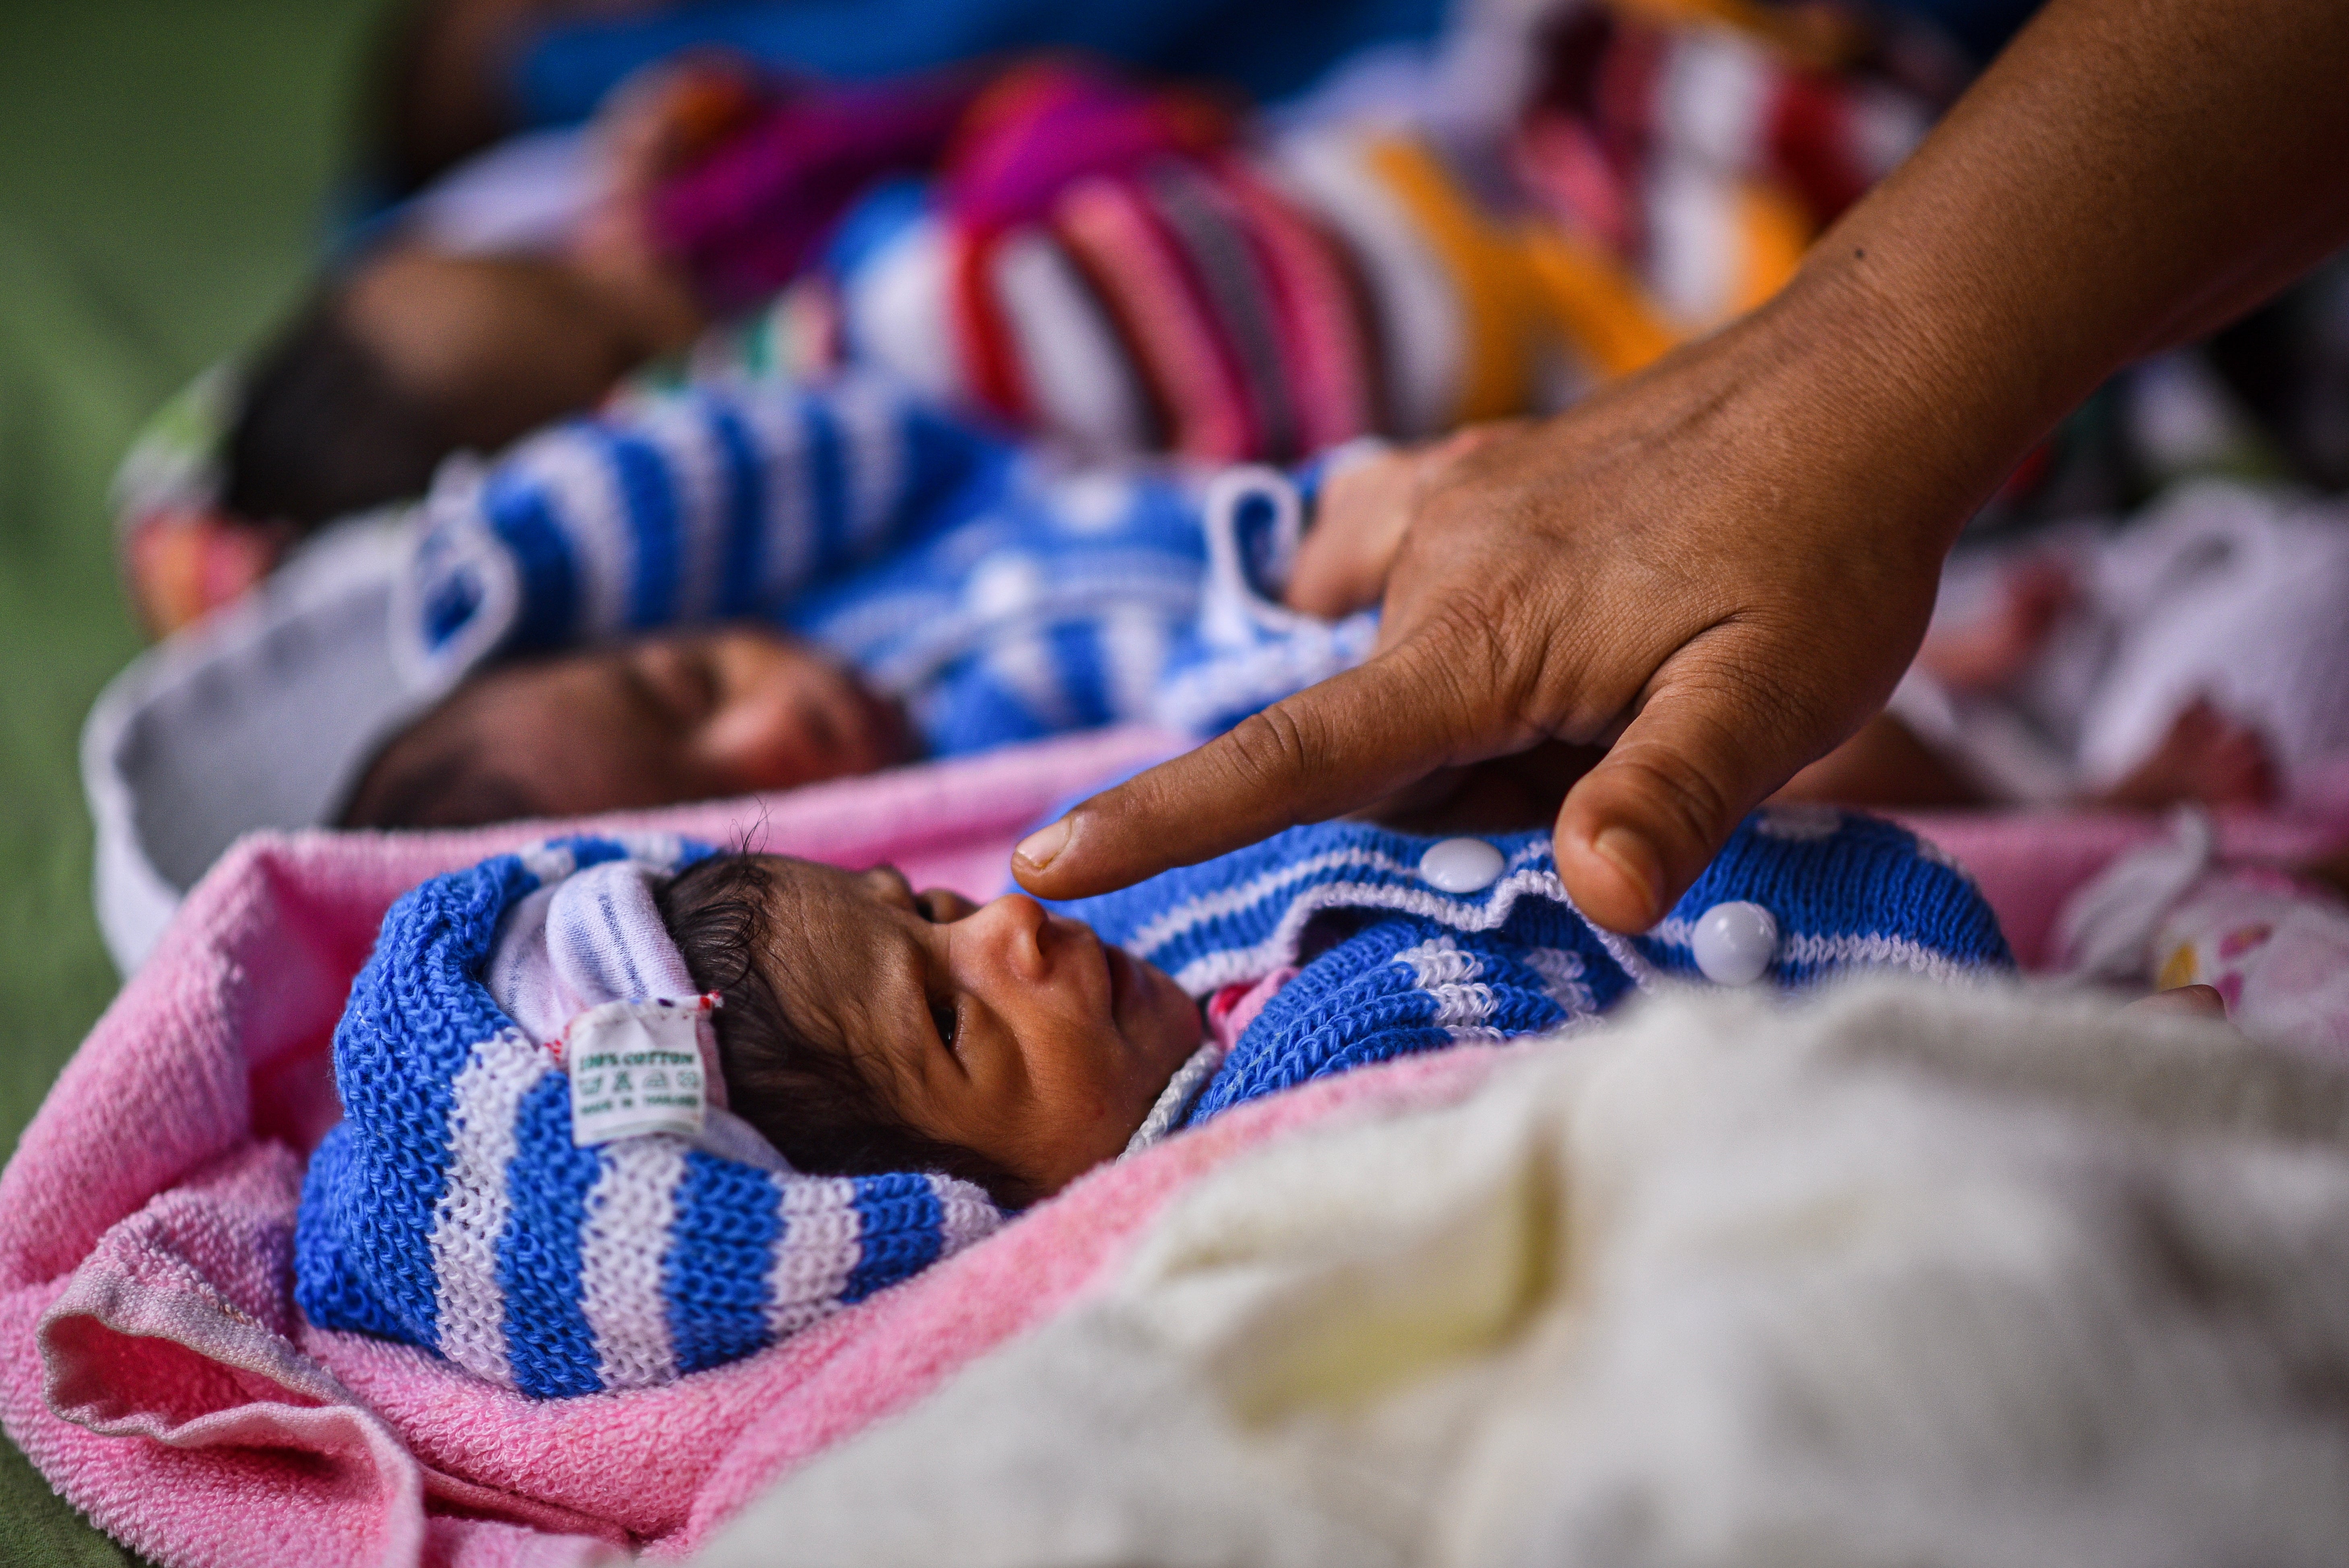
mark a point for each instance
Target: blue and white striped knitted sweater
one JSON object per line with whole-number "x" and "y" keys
{"x": 1000, "y": 598}
{"x": 1395, "y": 965}
{"x": 451, "y": 1209}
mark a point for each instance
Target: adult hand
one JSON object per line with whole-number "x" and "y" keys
{"x": 1710, "y": 567}
{"x": 1720, "y": 568}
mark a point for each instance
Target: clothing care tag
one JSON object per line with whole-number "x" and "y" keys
{"x": 636, "y": 1066}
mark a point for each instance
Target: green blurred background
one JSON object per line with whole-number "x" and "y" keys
{"x": 163, "y": 170}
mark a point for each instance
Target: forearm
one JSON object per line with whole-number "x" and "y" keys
{"x": 2129, "y": 175}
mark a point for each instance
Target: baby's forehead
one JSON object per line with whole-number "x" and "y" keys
{"x": 829, "y": 900}
{"x": 574, "y": 702}
{"x": 835, "y": 944}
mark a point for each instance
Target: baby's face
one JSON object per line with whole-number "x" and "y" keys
{"x": 652, "y": 723}
{"x": 1004, "y": 1029}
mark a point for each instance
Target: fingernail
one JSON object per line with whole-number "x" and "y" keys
{"x": 1632, "y": 855}
{"x": 1039, "y": 848}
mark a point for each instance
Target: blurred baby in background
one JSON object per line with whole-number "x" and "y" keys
{"x": 717, "y": 593}
{"x": 1047, "y": 244}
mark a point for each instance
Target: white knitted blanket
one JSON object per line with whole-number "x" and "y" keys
{"x": 1904, "y": 1276}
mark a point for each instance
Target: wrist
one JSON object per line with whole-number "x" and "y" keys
{"x": 1931, "y": 410}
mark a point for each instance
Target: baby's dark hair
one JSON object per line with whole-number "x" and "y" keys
{"x": 812, "y": 1099}
{"x": 436, "y": 772}
{"x": 325, "y": 430}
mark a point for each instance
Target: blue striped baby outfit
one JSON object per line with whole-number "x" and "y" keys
{"x": 1393, "y": 965}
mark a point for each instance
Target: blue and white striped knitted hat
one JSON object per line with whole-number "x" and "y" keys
{"x": 457, "y": 1207}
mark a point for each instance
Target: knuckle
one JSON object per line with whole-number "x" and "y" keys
{"x": 1269, "y": 752}
{"x": 1692, "y": 806}
{"x": 1685, "y": 792}
{"x": 1774, "y": 705}
{"x": 1472, "y": 677}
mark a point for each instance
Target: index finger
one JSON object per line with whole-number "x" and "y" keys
{"x": 1331, "y": 748}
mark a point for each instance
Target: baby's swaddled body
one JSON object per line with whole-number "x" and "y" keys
{"x": 1388, "y": 963}
{"x": 464, "y": 1207}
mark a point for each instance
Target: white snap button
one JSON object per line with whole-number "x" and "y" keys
{"x": 1734, "y": 942}
{"x": 1461, "y": 865}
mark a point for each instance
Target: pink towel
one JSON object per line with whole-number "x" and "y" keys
{"x": 152, "y": 1367}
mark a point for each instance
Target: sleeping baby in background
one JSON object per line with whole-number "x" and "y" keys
{"x": 2197, "y": 652}
{"x": 618, "y": 1111}
{"x": 730, "y": 590}
{"x": 853, "y": 581}
{"x": 541, "y": 283}
{"x": 1117, "y": 265}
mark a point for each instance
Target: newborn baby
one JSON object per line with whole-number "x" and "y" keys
{"x": 618, "y": 1111}
{"x": 871, "y": 1028}
{"x": 691, "y": 716}
{"x": 529, "y": 284}
{"x": 997, "y": 601}
{"x": 1040, "y": 243}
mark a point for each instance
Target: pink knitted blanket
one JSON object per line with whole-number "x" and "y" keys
{"x": 151, "y": 1364}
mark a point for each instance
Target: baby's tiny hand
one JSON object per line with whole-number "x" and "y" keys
{"x": 2181, "y": 1002}
{"x": 2208, "y": 757}
{"x": 1342, "y": 564}
{"x": 671, "y": 113}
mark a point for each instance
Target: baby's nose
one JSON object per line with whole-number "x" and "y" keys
{"x": 1021, "y": 933}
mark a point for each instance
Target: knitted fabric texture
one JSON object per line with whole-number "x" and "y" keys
{"x": 451, "y": 1209}
{"x": 999, "y": 601}
{"x": 699, "y": 506}
{"x": 745, "y": 220}
{"x": 1391, "y": 966}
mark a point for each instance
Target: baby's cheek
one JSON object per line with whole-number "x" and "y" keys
{"x": 1179, "y": 1018}
{"x": 1100, "y": 1113}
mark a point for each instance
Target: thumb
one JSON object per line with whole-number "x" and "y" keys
{"x": 1640, "y": 827}
{"x": 1354, "y": 738}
